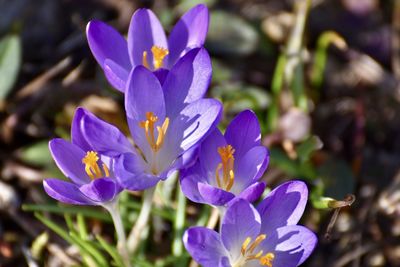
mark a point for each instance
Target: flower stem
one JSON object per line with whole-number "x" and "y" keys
{"x": 113, "y": 209}
{"x": 134, "y": 235}
{"x": 179, "y": 224}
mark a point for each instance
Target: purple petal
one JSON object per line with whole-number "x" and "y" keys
{"x": 189, "y": 187}
{"x": 224, "y": 262}
{"x": 251, "y": 166}
{"x": 253, "y": 192}
{"x": 65, "y": 192}
{"x": 104, "y": 137}
{"x": 116, "y": 75}
{"x": 101, "y": 190}
{"x": 131, "y": 172}
{"x": 68, "y": 158}
{"x": 187, "y": 81}
{"x": 283, "y": 206}
{"x": 189, "y": 32}
{"x": 145, "y": 31}
{"x": 208, "y": 155}
{"x": 241, "y": 221}
{"x": 161, "y": 74}
{"x": 291, "y": 245}
{"x": 106, "y": 43}
{"x": 243, "y": 132}
{"x": 192, "y": 125}
{"x": 204, "y": 245}
{"x": 77, "y": 130}
{"x": 213, "y": 195}
{"x": 144, "y": 94}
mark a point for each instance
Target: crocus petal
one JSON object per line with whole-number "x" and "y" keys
{"x": 68, "y": 158}
{"x": 161, "y": 74}
{"x": 130, "y": 171}
{"x": 189, "y": 187}
{"x": 224, "y": 262}
{"x": 292, "y": 245}
{"x": 116, "y": 75}
{"x": 105, "y": 42}
{"x": 65, "y": 192}
{"x": 145, "y": 31}
{"x": 192, "y": 125}
{"x": 283, "y": 206}
{"x": 144, "y": 94}
{"x": 241, "y": 221}
{"x": 101, "y": 190}
{"x": 253, "y": 192}
{"x": 187, "y": 81}
{"x": 104, "y": 137}
{"x": 189, "y": 32}
{"x": 251, "y": 166}
{"x": 213, "y": 195}
{"x": 243, "y": 132}
{"x": 77, "y": 131}
{"x": 204, "y": 245}
{"x": 208, "y": 155}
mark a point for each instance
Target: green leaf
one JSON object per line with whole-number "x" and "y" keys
{"x": 89, "y": 247}
{"x": 10, "y": 63}
{"x": 111, "y": 251}
{"x": 230, "y": 34}
{"x": 306, "y": 148}
{"x": 72, "y": 239}
{"x": 37, "y": 154}
{"x": 293, "y": 168}
{"x": 87, "y": 212}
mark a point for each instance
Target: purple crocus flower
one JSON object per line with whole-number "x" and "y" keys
{"x": 228, "y": 165}
{"x": 146, "y": 44}
{"x": 266, "y": 236}
{"x": 91, "y": 173}
{"x": 166, "y": 123}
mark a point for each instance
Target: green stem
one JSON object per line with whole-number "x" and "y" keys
{"x": 113, "y": 209}
{"x": 179, "y": 224}
{"x": 134, "y": 235}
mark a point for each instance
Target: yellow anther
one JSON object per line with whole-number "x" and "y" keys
{"x": 226, "y": 165}
{"x": 247, "y": 254}
{"x": 256, "y": 256}
{"x": 267, "y": 259}
{"x": 92, "y": 167}
{"x": 159, "y": 54}
{"x": 149, "y": 126}
{"x": 245, "y": 245}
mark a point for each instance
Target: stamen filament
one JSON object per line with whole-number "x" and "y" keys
{"x": 226, "y": 165}
{"x": 245, "y": 244}
{"x": 144, "y": 60}
{"x": 149, "y": 126}
{"x": 247, "y": 254}
{"x": 257, "y": 242}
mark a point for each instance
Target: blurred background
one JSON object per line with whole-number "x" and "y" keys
{"x": 323, "y": 77}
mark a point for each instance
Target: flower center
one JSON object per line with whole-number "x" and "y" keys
{"x": 226, "y": 166}
{"x": 247, "y": 253}
{"x": 92, "y": 167}
{"x": 149, "y": 126}
{"x": 159, "y": 54}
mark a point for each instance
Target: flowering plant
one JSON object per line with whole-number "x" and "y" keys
{"x": 173, "y": 127}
